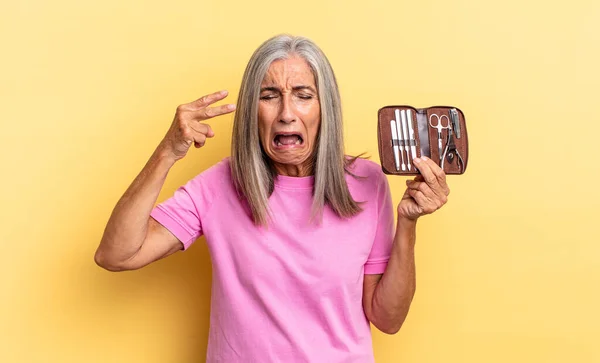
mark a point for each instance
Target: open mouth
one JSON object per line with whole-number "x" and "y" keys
{"x": 288, "y": 139}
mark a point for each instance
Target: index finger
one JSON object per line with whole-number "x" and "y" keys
{"x": 209, "y": 99}
{"x": 432, "y": 174}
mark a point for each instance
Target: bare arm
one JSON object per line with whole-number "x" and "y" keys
{"x": 387, "y": 297}
{"x": 132, "y": 239}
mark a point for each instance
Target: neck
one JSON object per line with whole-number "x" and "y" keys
{"x": 303, "y": 170}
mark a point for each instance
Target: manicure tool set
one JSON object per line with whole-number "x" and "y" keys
{"x": 405, "y": 133}
{"x": 403, "y": 139}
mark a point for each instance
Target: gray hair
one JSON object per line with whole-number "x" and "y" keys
{"x": 252, "y": 170}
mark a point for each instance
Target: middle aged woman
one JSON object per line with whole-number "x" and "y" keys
{"x": 301, "y": 237}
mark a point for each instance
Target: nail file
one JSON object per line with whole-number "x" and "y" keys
{"x": 406, "y": 137}
{"x": 455, "y": 122}
{"x": 401, "y": 141}
{"x": 395, "y": 145}
{"x": 411, "y": 131}
{"x": 402, "y": 146}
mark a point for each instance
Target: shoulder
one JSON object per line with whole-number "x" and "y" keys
{"x": 217, "y": 176}
{"x": 218, "y": 172}
{"x": 365, "y": 174}
{"x": 366, "y": 169}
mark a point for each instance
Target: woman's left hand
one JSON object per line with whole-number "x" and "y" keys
{"x": 426, "y": 193}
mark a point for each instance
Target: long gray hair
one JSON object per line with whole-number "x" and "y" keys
{"x": 252, "y": 169}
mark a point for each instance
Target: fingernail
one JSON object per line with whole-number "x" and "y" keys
{"x": 417, "y": 160}
{"x": 424, "y": 157}
{"x": 224, "y": 92}
{"x": 231, "y": 107}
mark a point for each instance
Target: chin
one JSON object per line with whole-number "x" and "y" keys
{"x": 299, "y": 159}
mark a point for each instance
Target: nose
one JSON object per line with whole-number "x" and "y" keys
{"x": 287, "y": 114}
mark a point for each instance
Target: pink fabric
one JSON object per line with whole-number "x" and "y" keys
{"x": 291, "y": 292}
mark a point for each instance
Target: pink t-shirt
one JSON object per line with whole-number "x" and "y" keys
{"x": 291, "y": 292}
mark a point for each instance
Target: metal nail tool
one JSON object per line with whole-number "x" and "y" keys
{"x": 455, "y": 122}
{"x": 402, "y": 139}
{"x": 439, "y": 126}
{"x": 395, "y": 143}
{"x": 411, "y": 132}
{"x": 451, "y": 152}
{"x": 405, "y": 138}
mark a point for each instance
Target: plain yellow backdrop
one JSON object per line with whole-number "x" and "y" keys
{"x": 508, "y": 270}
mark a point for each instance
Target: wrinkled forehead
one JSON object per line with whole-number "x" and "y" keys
{"x": 289, "y": 73}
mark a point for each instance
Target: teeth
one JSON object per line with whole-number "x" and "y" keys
{"x": 297, "y": 142}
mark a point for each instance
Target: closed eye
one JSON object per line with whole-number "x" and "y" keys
{"x": 303, "y": 96}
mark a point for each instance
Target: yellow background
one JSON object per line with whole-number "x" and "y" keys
{"x": 508, "y": 270}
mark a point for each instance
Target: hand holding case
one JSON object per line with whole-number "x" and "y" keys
{"x": 439, "y": 132}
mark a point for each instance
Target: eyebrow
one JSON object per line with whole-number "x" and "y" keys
{"x": 295, "y": 88}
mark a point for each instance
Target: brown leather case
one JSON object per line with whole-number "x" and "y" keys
{"x": 425, "y": 140}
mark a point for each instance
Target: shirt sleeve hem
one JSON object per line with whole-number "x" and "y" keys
{"x": 376, "y": 267}
{"x": 174, "y": 226}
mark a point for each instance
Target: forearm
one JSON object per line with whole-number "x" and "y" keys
{"x": 394, "y": 292}
{"x": 127, "y": 226}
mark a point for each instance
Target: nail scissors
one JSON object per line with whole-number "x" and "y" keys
{"x": 439, "y": 126}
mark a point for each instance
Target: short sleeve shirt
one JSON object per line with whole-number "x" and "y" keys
{"x": 291, "y": 291}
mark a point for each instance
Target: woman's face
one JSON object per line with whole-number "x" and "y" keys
{"x": 289, "y": 115}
